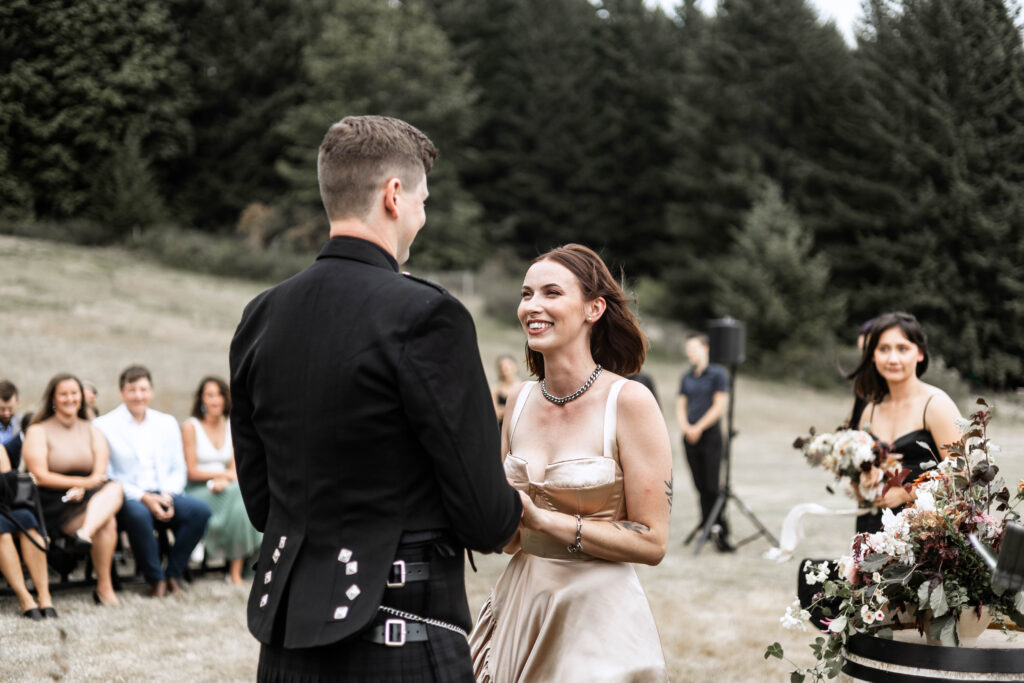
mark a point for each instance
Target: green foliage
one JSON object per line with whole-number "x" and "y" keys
{"x": 246, "y": 70}
{"x": 763, "y": 95}
{"x": 771, "y": 279}
{"x": 74, "y": 77}
{"x": 373, "y": 57}
{"x": 573, "y": 108}
{"x": 935, "y": 219}
{"x": 223, "y": 256}
{"x": 125, "y": 195}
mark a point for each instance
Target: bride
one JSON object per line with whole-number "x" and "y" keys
{"x": 589, "y": 452}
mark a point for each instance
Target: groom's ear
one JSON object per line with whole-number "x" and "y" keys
{"x": 392, "y": 190}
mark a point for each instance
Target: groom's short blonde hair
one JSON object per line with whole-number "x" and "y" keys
{"x": 359, "y": 153}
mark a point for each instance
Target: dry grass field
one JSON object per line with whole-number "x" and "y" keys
{"x": 92, "y": 311}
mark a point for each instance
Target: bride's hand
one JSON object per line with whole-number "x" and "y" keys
{"x": 533, "y": 516}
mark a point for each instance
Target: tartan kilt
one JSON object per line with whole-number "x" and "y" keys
{"x": 444, "y": 658}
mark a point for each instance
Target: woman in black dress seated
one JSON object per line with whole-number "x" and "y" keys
{"x": 14, "y": 533}
{"x": 914, "y": 419}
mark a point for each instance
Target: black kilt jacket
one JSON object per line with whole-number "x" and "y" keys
{"x": 360, "y": 410}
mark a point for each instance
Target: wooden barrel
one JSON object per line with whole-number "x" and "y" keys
{"x": 898, "y": 661}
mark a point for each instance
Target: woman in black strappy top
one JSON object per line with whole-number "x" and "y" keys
{"x": 915, "y": 419}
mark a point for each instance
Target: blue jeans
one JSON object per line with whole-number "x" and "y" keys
{"x": 188, "y": 525}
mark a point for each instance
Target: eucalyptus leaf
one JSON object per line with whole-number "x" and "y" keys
{"x": 873, "y": 562}
{"x": 938, "y": 601}
{"x": 922, "y": 596}
{"x": 943, "y": 629}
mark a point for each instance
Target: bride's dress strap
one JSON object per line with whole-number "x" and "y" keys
{"x": 518, "y": 410}
{"x": 610, "y": 416}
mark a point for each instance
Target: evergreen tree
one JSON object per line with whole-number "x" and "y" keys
{"x": 762, "y": 99}
{"x": 390, "y": 58}
{"x": 245, "y": 67}
{"x": 574, "y": 104}
{"x": 74, "y": 79}
{"x": 937, "y": 225}
{"x": 772, "y": 279}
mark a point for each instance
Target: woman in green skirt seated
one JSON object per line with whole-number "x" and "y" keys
{"x": 210, "y": 459}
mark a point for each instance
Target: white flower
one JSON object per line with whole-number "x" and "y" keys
{"x": 838, "y": 624}
{"x": 977, "y": 455}
{"x": 867, "y": 614}
{"x": 879, "y": 615}
{"x": 925, "y": 501}
{"x": 876, "y": 578}
{"x": 963, "y": 424}
{"x": 816, "y": 573}
{"x": 847, "y": 567}
{"x": 795, "y": 617}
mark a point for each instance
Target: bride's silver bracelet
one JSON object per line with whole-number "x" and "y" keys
{"x": 578, "y": 545}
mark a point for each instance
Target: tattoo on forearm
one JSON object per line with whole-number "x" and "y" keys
{"x": 668, "y": 493}
{"x": 636, "y": 527}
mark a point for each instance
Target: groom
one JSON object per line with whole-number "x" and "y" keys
{"x": 364, "y": 436}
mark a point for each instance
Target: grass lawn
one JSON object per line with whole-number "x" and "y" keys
{"x": 93, "y": 311}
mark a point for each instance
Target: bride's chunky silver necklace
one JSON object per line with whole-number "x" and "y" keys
{"x": 574, "y": 395}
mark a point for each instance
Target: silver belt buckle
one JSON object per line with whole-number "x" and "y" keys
{"x": 390, "y": 626}
{"x": 400, "y": 564}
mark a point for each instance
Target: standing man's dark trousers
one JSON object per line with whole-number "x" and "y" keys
{"x": 705, "y": 460}
{"x": 442, "y": 657}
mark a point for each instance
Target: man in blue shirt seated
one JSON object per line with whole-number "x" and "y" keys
{"x": 10, "y": 421}
{"x": 147, "y": 457}
{"x": 703, "y": 397}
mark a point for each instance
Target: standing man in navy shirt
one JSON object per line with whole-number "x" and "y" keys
{"x": 703, "y": 397}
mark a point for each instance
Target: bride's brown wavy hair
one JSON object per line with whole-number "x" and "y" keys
{"x": 616, "y": 340}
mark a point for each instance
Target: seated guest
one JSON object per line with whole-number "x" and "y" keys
{"x": 10, "y": 421}
{"x": 146, "y": 457}
{"x": 91, "y": 409}
{"x": 14, "y": 445}
{"x": 68, "y": 457}
{"x": 35, "y": 559}
{"x": 210, "y": 460}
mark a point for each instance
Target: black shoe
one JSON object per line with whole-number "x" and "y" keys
{"x": 35, "y": 614}
{"x": 49, "y": 613}
{"x": 721, "y": 542}
{"x": 80, "y": 546}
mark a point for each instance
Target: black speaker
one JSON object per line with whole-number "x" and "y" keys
{"x": 727, "y": 339}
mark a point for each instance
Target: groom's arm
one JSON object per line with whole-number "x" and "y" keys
{"x": 447, "y": 401}
{"x": 250, "y": 454}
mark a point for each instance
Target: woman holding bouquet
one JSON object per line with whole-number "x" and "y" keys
{"x": 908, "y": 416}
{"x": 590, "y": 454}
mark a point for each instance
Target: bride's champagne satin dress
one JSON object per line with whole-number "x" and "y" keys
{"x": 561, "y": 616}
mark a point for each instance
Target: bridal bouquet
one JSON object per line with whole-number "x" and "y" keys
{"x": 863, "y": 468}
{"x": 921, "y": 570}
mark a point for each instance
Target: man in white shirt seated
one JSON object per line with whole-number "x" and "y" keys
{"x": 146, "y": 456}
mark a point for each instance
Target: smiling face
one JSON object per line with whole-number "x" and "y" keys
{"x": 552, "y": 310}
{"x": 896, "y": 357}
{"x": 67, "y": 398}
{"x": 137, "y": 396}
{"x": 7, "y": 410}
{"x": 213, "y": 400}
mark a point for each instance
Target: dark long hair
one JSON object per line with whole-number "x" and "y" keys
{"x": 867, "y": 382}
{"x": 616, "y": 340}
{"x": 225, "y": 391}
{"x": 46, "y": 411}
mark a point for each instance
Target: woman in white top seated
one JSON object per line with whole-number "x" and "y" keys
{"x": 210, "y": 460}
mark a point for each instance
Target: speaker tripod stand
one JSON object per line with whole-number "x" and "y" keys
{"x": 725, "y": 493}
